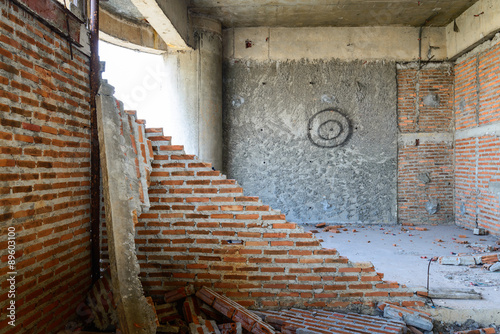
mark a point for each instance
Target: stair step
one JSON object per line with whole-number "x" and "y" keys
{"x": 157, "y": 140}
{"x": 132, "y": 113}
{"x": 157, "y": 131}
{"x": 169, "y": 147}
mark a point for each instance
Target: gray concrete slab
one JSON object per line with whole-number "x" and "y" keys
{"x": 403, "y": 255}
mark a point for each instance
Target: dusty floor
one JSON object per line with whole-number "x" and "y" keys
{"x": 403, "y": 256}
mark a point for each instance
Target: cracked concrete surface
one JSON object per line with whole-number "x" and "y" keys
{"x": 403, "y": 256}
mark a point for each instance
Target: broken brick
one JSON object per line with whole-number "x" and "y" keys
{"x": 167, "y": 312}
{"x": 178, "y": 294}
{"x": 232, "y": 328}
{"x": 410, "y": 316}
{"x": 191, "y": 310}
{"x": 249, "y": 321}
{"x": 212, "y": 313}
{"x": 489, "y": 330}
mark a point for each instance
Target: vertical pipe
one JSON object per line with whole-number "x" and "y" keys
{"x": 95, "y": 168}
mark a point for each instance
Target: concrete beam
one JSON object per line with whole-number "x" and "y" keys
{"x": 406, "y": 139}
{"x": 169, "y": 19}
{"x": 477, "y": 24}
{"x": 119, "y": 31}
{"x": 344, "y": 43}
{"x": 492, "y": 129}
{"x": 122, "y": 206}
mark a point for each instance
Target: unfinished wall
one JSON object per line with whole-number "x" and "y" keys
{"x": 201, "y": 229}
{"x": 343, "y": 43}
{"x": 44, "y": 172}
{"x": 196, "y": 80}
{"x": 425, "y": 148}
{"x": 477, "y": 138}
{"x": 333, "y": 166}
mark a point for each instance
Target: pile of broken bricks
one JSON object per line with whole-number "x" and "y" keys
{"x": 186, "y": 311}
{"x": 208, "y": 312}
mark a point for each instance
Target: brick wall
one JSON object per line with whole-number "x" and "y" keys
{"x": 425, "y": 149}
{"x": 44, "y": 172}
{"x": 477, "y": 138}
{"x": 201, "y": 229}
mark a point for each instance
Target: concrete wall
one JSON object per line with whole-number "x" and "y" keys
{"x": 278, "y": 144}
{"x": 196, "y": 83}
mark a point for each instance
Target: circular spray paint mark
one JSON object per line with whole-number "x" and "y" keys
{"x": 328, "y": 128}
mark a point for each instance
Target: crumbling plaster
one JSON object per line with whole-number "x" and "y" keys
{"x": 269, "y": 145}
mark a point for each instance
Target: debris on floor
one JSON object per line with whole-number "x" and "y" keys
{"x": 319, "y": 321}
{"x": 408, "y": 315}
{"x": 468, "y": 327}
{"x": 478, "y": 331}
{"x": 467, "y": 260}
{"x": 208, "y": 312}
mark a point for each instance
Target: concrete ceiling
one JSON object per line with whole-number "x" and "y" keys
{"x": 123, "y": 8}
{"x": 344, "y": 13}
{"x": 310, "y": 13}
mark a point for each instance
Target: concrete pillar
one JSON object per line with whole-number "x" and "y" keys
{"x": 196, "y": 81}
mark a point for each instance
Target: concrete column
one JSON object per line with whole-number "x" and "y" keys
{"x": 196, "y": 81}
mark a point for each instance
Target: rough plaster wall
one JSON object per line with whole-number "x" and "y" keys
{"x": 267, "y": 108}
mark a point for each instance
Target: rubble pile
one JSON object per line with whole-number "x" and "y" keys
{"x": 207, "y": 312}
{"x": 187, "y": 311}
{"x": 490, "y": 261}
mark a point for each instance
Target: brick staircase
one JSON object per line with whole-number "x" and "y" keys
{"x": 202, "y": 230}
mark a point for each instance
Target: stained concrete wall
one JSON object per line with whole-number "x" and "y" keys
{"x": 278, "y": 143}
{"x": 476, "y": 25}
{"x": 196, "y": 85}
{"x": 346, "y": 43}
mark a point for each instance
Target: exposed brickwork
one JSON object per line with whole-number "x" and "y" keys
{"x": 477, "y": 163}
{"x": 477, "y": 84}
{"x": 424, "y": 154}
{"x": 414, "y": 88}
{"x": 436, "y": 159}
{"x": 44, "y": 172}
{"x": 477, "y": 156}
{"x": 202, "y": 229}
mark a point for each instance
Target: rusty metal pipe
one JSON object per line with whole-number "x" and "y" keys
{"x": 95, "y": 168}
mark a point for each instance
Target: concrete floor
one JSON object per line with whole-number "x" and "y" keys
{"x": 403, "y": 256}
